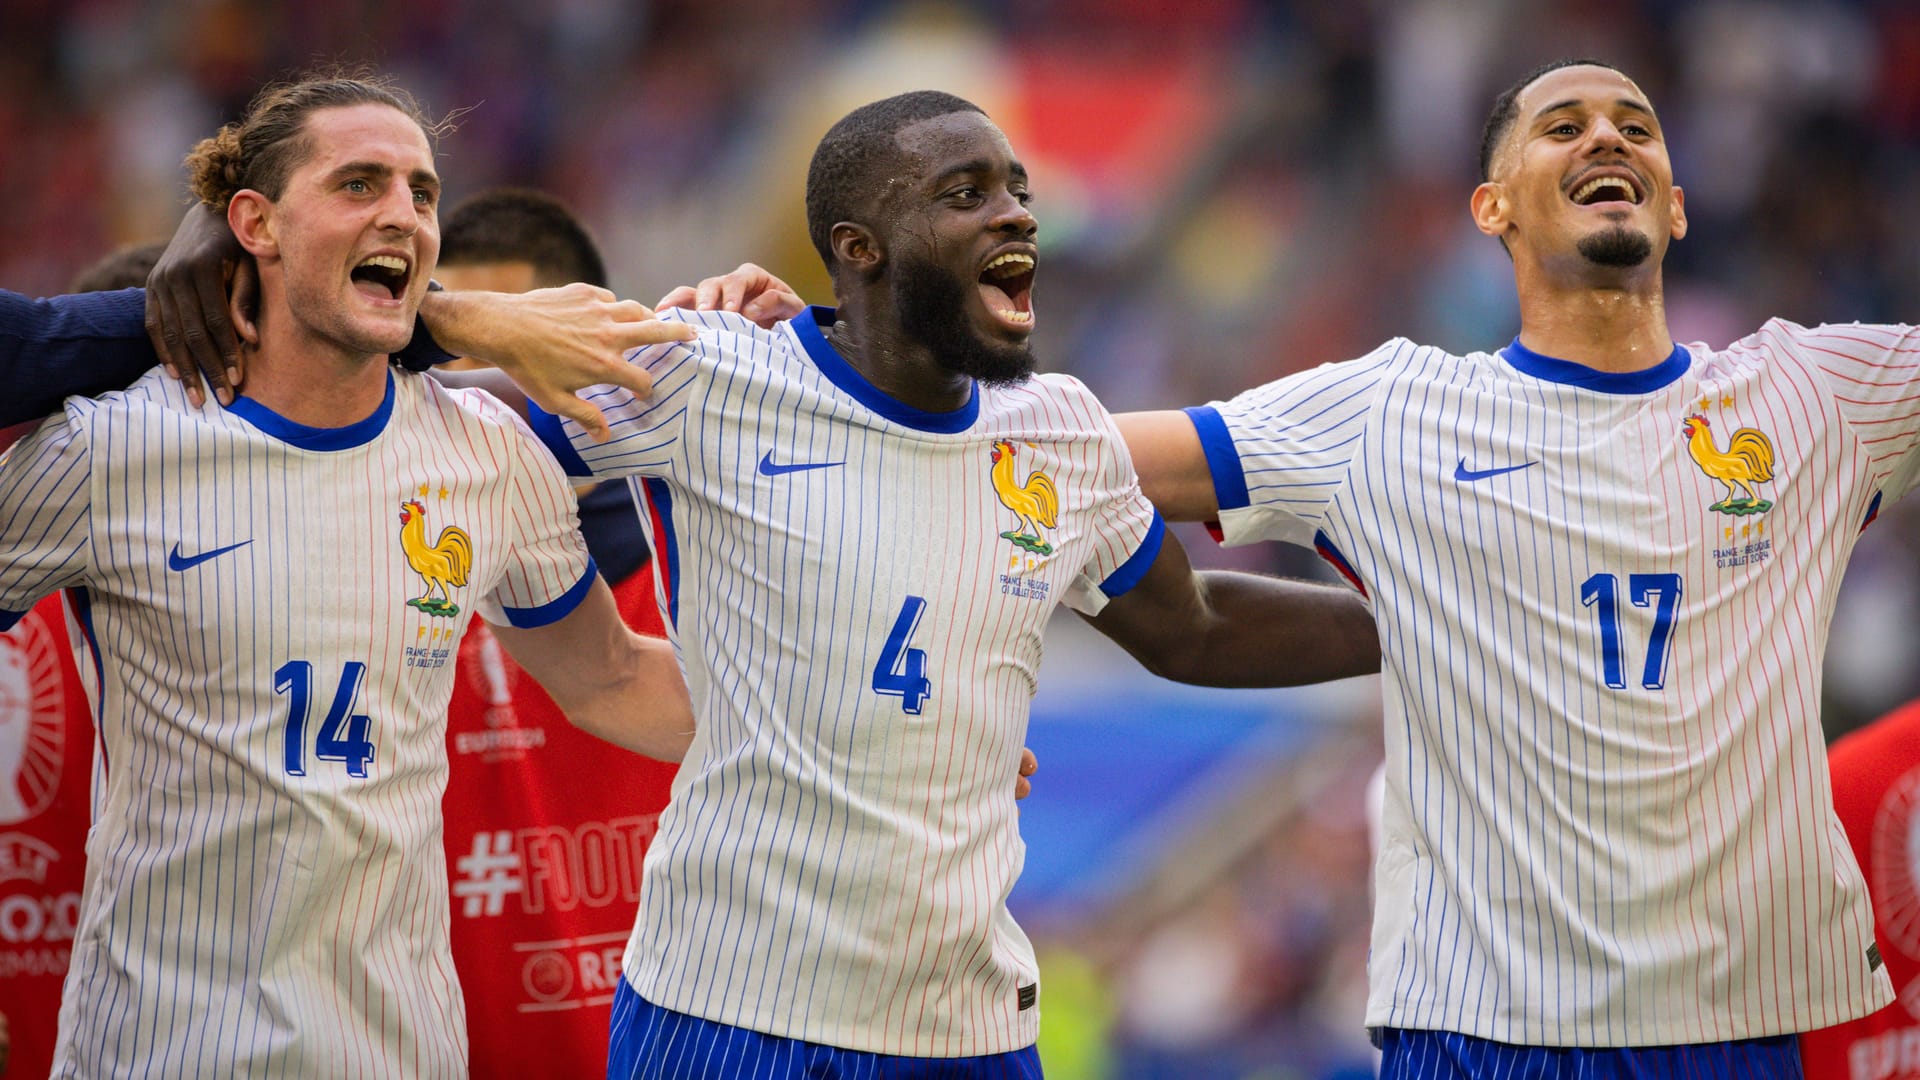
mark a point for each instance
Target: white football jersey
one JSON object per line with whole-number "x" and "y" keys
{"x": 857, "y": 590}
{"x": 1603, "y": 601}
{"x": 272, "y": 613}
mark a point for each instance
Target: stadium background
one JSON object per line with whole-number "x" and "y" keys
{"x": 1229, "y": 191}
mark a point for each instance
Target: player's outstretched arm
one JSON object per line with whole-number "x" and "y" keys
{"x": 87, "y": 343}
{"x": 611, "y": 682}
{"x": 1230, "y": 629}
{"x": 554, "y": 342}
{"x": 1172, "y": 465}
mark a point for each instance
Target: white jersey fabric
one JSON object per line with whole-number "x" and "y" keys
{"x": 1608, "y": 819}
{"x": 858, "y": 606}
{"x": 265, "y": 891}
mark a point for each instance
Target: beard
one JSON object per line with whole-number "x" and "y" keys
{"x": 1617, "y": 246}
{"x": 932, "y": 307}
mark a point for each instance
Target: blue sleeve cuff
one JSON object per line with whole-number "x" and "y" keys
{"x": 9, "y": 618}
{"x": 553, "y": 432}
{"x": 527, "y": 618}
{"x": 1122, "y": 580}
{"x": 1229, "y": 481}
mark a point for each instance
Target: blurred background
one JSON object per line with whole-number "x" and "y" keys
{"x": 1229, "y": 191}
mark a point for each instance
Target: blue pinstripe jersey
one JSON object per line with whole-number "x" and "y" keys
{"x": 272, "y": 612}
{"x": 857, "y": 590}
{"x": 1603, "y": 601}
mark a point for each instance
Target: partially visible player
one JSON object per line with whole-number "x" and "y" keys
{"x": 271, "y": 594}
{"x": 864, "y": 520}
{"x": 1876, "y": 791}
{"x": 543, "y": 865}
{"x": 46, "y": 758}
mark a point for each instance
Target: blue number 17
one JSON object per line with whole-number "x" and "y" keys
{"x": 1602, "y": 593}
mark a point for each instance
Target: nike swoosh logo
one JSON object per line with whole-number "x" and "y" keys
{"x": 768, "y": 468}
{"x": 1468, "y": 476}
{"x": 177, "y": 561}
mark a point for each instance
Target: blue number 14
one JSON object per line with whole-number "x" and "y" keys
{"x": 1602, "y": 593}
{"x": 901, "y": 670}
{"x": 295, "y": 679}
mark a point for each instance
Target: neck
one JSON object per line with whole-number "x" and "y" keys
{"x": 1615, "y": 325}
{"x": 867, "y": 333}
{"x": 311, "y": 381}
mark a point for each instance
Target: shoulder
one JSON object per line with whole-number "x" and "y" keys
{"x": 155, "y": 391}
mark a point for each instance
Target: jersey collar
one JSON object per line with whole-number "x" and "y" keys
{"x": 358, "y": 433}
{"x": 1569, "y": 373}
{"x": 806, "y": 326}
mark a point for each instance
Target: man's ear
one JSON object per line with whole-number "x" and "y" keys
{"x": 1490, "y": 209}
{"x": 250, "y": 216}
{"x": 1679, "y": 212}
{"x": 856, "y": 248}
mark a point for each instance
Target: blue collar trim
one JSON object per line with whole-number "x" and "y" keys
{"x": 358, "y": 433}
{"x": 807, "y": 324}
{"x": 1606, "y": 382}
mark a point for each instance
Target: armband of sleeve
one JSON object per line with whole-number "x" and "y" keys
{"x": 422, "y": 352}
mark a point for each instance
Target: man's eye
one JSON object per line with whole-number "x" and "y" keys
{"x": 423, "y": 196}
{"x": 358, "y": 187}
{"x": 1566, "y": 127}
{"x": 1025, "y": 197}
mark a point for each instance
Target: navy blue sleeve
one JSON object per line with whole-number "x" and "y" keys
{"x": 87, "y": 343}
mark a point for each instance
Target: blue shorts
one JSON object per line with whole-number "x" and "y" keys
{"x": 1445, "y": 1055}
{"x": 651, "y": 1043}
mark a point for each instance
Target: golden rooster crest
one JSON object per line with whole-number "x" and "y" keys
{"x": 1033, "y": 500}
{"x": 1747, "y": 460}
{"x": 443, "y": 563}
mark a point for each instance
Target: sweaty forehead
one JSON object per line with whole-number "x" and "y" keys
{"x": 932, "y": 146}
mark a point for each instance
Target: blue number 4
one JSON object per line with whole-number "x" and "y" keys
{"x": 295, "y": 678}
{"x": 1602, "y": 593}
{"x": 902, "y": 671}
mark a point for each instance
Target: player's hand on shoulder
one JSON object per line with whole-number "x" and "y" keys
{"x": 200, "y": 302}
{"x": 555, "y": 342}
{"x": 750, "y": 289}
{"x": 1029, "y": 764}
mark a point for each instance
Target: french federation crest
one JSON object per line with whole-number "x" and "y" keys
{"x": 443, "y": 564}
{"x": 1032, "y": 500}
{"x": 1747, "y": 461}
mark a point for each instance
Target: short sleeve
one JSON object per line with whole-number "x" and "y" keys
{"x": 646, "y": 432}
{"x": 1874, "y": 373}
{"x": 548, "y": 572}
{"x": 1127, "y": 530}
{"x": 1280, "y": 453}
{"x": 45, "y": 495}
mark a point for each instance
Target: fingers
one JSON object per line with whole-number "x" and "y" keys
{"x": 635, "y": 379}
{"x": 210, "y": 337}
{"x": 584, "y": 413}
{"x": 1029, "y": 764}
{"x": 638, "y": 335}
{"x": 678, "y": 298}
{"x": 163, "y": 331}
{"x": 772, "y": 307}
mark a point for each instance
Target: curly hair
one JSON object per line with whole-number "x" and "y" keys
{"x": 262, "y": 148}
{"x": 840, "y": 178}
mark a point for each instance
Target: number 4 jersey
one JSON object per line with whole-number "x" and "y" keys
{"x": 858, "y": 591}
{"x": 1603, "y": 601}
{"x": 272, "y": 613}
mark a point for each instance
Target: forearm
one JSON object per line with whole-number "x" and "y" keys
{"x": 641, "y": 706}
{"x": 87, "y": 343}
{"x": 1326, "y": 632}
{"x": 624, "y": 687}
